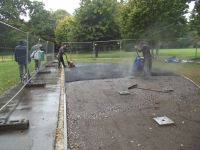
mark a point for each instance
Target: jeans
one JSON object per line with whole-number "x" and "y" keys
{"x": 37, "y": 65}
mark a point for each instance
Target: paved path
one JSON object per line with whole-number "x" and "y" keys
{"x": 40, "y": 107}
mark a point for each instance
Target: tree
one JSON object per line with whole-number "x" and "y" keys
{"x": 195, "y": 20}
{"x": 63, "y": 29}
{"x": 60, "y": 14}
{"x": 41, "y": 21}
{"x": 157, "y": 19}
{"x": 11, "y": 11}
{"x": 95, "y": 20}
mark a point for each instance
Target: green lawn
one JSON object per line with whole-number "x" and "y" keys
{"x": 180, "y": 53}
{"x": 9, "y": 74}
{"x": 163, "y": 53}
{"x": 6, "y": 57}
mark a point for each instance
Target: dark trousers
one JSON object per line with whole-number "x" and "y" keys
{"x": 21, "y": 71}
{"x": 61, "y": 60}
{"x": 147, "y": 66}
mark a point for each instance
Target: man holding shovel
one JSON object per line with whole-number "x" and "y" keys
{"x": 60, "y": 55}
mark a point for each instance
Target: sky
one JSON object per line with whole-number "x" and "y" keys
{"x": 68, "y": 5}
{"x": 191, "y": 6}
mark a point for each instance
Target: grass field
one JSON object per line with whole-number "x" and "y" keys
{"x": 163, "y": 53}
{"x": 9, "y": 74}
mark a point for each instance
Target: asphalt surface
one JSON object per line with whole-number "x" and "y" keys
{"x": 94, "y": 71}
{"x": 91, "y": 71}
{"x": 40, "y": 107}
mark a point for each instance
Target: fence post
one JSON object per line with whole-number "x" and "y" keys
{"x": 53, "y": 57}
{"x": 95, "y": 51}
{"x": 120, "y": 47}
{"x": 27, "y": 57}
{"x": 196, "y": 52}
{"x": 46, "y": 50}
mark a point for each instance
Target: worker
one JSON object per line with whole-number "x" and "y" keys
{"x": 60, "y": 55}
{"x": 147, "y": 59}
{"x": 21, "y": 59}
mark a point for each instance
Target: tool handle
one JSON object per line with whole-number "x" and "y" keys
{"x": 163, "y": 91}
{"x": 66, "y": 57}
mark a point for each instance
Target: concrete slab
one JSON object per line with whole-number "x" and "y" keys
{"x": 12, "y": 125}
{"x": 36, "y": 85}
{"x": 163, "y": 121}
{"x": 40, "y": 107}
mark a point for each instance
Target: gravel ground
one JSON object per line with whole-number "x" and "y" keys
{"x": 100, "y": 118}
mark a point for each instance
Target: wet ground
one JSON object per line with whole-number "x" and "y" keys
{"x": 40, "y": 107}
{"x": 100, "y": 118}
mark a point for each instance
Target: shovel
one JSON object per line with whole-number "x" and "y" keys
{"x": 163, "y": 91}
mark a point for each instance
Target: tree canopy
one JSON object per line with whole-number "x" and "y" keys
{"x": 63, "y": 29}
{"x": 195, "y": 20}
{"x": 96, "y": 20}
{"x": 153, "y": 18}
{"x": 41, "y": 22}
{"x": 104, "y": 20}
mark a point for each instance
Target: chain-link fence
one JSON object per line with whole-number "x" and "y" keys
{"x": 79, "y": 51}
{"x": 17, "y": 57}
{"x": 50, "y": 55}
{"x": 13, "y": 55}
{"x": 181, "y": 48}
{"x": 113, "y": 51}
